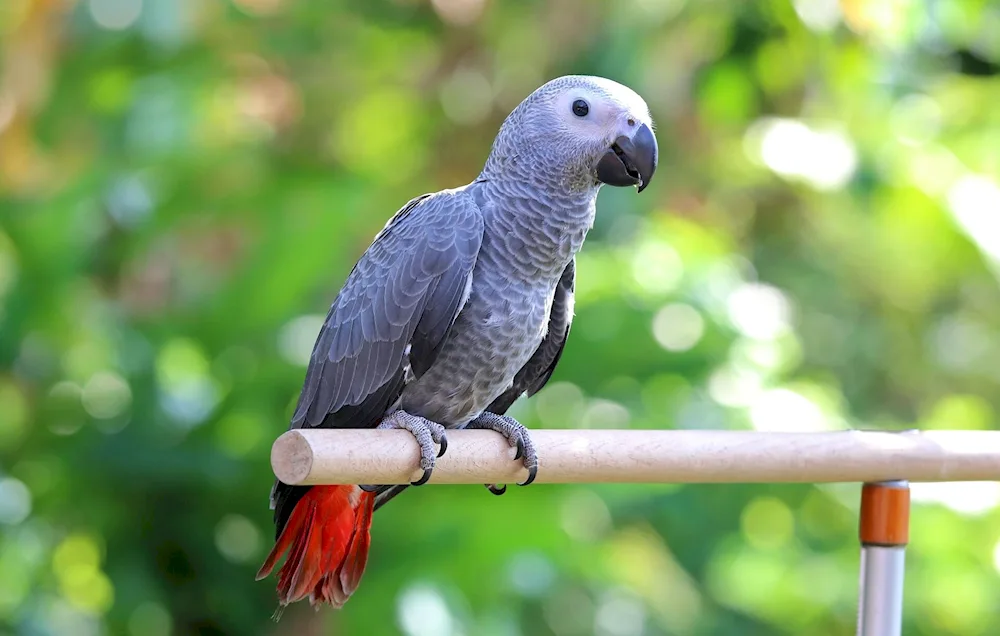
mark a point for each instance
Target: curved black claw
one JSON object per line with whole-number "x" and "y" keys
{"x": 368, "y": 488}
{"x": 444, "y": 445}
{"x": 516, "y": 435}
{"x": 497, "y": 490}
{"x": 532, "y": 472}
{"x": 425, "y": 477}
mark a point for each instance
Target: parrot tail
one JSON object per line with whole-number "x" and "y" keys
{"x": 328, "y": 533}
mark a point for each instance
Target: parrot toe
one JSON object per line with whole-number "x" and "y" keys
{"x": 496, "y": 490}
{"x": 516, "y": 435}
{"x": 427, "y": 433}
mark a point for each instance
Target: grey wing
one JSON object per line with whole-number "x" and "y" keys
{"x": 537, "y": 371}
{"x": 393, "y": 313}
{"x": 405, "y": 291}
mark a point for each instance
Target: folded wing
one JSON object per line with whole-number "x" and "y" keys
{"x": 393, "y": 313}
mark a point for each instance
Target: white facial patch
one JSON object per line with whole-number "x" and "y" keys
{"x": 609, "y": 105}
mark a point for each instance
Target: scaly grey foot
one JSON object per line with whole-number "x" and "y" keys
{"x": 427, "y": 433}
{"x": 517, "y": 435}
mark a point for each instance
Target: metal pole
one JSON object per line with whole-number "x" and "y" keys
{"x": 884, "y": 532}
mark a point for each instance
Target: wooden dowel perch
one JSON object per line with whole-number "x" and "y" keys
{"x": 351, "y": 456}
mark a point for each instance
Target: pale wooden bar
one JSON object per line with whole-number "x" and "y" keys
{"x": 366, "y": 456}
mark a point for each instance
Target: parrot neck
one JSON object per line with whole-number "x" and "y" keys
{"x": 541, "y": 229}
{"x": 514, "y": 171}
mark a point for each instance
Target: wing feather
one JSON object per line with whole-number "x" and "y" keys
{"x": 402, "y": 291}
{"x": 406, "y": 290}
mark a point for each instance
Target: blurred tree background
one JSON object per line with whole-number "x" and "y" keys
{"x": 184, "y": 185}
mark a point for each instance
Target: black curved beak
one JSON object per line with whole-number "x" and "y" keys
{"x": 630, "y": 161}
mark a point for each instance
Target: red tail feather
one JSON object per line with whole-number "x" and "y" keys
{"x": 328, "y": 533}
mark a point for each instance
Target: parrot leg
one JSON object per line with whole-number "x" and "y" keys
{"x": 427, "y": 433}
{"x": 517, "y": 435}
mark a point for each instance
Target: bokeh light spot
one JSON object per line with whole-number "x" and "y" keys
{"x": 678, "y": 327}
{"x": 975, "y": 204}
{"x": 397, "y": 146}
{"x": 237, "y": 538}
{"x": 15, "y": 501}
{"x": 467, "y": 97}
{"x": 745, "y": 578}
{"x": 76, "y": 551}
{"x": 64, "y": 408}
{"x": 459, "y": 12}
{"x": 297, "y": 338}
{"x": 106, "y": 395}
{"x": 619, "y": 614}
{"x": 960, "y": 412}
{"x": 657, "y": 267}
{"x": 239, "y": 433}
{"x": 115, "y": 15}
{"x": 422, "y": 611}
{"x": 760, "y": 311}
{"x": 584, "y": 516}
{"x": 819, "y": 15}
{"x": 559, "y": 405}
{"x": 188, "y": 391}
{"x": 784, "y": 410}
{"x": 972, "y": 498}
{"x": 605, "y": 414}
{"x": 76, "y": 563}
{"x": 531, "y": 574}
{"x": 660, "y": 10}
{"x": 826, "y": 160}
{"x": 734, "y": 386}
{"x": 130, "y": 201}
{"x": 110, "y": 90}
{"x": 767, "y": 523}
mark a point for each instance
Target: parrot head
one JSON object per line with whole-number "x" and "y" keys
{"x": 583, "y": 130}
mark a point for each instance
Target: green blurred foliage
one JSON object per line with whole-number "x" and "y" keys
{"x": 185, "y": 184}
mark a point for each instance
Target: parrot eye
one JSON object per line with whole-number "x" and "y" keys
{"x": 580, "y": 108}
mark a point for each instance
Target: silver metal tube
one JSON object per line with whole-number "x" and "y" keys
{"x": 880, "y": 609}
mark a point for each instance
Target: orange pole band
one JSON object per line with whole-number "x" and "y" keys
{"x": 885, "y": 514}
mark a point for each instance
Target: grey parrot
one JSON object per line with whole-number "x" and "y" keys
{"x": 462, "y": 303}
